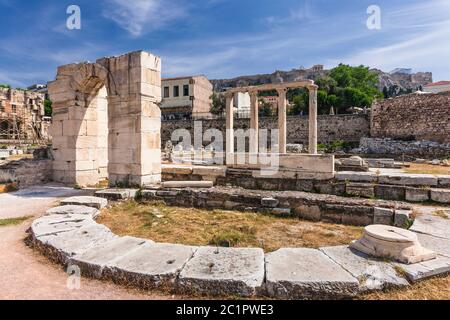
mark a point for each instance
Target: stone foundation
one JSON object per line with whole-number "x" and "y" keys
{"x": 26, "y": 172}
{"x": 316, "y": 207}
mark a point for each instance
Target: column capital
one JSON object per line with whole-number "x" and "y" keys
{"x": 229, "y": 95}
{"x": 253, "y": 92}
{"x": 281, "y": 90}
{"x": 313, "y": 87}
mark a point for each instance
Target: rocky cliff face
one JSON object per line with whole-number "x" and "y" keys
{"x": 395, "y": 82}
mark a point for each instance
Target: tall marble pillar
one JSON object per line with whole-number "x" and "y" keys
{"x": 254, "y": 123}
{"x": 282, "y": 120}
{"x": 313, "y": 119}
{"x": 229, "y": 111}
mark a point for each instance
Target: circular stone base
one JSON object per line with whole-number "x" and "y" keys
{"x": 393, "y": 243}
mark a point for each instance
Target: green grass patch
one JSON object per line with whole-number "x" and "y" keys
{"x": 13, "y": 221}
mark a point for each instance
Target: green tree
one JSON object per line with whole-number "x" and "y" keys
{"x": 6, "y": 86}
{"x": 300, "y": 104}
{"x": 266, "y": 109}
{"x": 48, "y": 107}
{"x": 218, "y": 103}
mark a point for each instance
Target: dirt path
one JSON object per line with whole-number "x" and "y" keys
{"x": 26, "y": 274}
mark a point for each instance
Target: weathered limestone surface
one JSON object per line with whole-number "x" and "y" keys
{"x": 152, "y": 265}
{"x": 67, "y": 244}
{"x": 116, "y": 194}
{"x": 408, "y": 179}
{"x": 439, "y": 245}
{"x": 365, "y": 190}
{"x": 426, "y": 269}
{"x": 307, "y": 273}
{"x": 356, "y": 176}
{"x": 98, "y": 261}
{"x": 432, "y": 224}
{"x": 383, "y": 216}
{"x": 440, "y": 195}
{"x": 187, "y": 184}
{"x": 73, "y": 209}
{"x": 372, "y": 274}
{"x": 57, "y": 223}
{"x": 417, "y": 194}
{"x": 88, "y": 201}
{"x": 215, "y": 271}
{"x": 106, "y": 121}
{"x": 402, "y": 218}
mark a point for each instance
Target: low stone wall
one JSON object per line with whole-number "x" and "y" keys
{"x": 26, "y": 172}
{"x": 414, "y": 149}
{"x": 413, "y": 116}
{"x": 316, "y": 207}
{"x": 330, "y": 128}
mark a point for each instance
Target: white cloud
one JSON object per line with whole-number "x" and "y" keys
{"x": 424, "y": 48}
{"x": 141, "y": 16}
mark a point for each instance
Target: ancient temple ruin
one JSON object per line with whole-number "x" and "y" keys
{"x": 106, "y": 121}
{"x": 22, "y": 116}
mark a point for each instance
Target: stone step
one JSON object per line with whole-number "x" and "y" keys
{"x": 187, "y": 184}
{"x": 307, "y": 274}
{"x": 88, "y": 201}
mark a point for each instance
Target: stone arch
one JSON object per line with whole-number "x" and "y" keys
{"x": 130, "y": 87}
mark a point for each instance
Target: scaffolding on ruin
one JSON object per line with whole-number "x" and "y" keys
{"x": 15, "y": 128}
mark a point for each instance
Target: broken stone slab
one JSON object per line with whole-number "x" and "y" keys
{"x": 58, "y": 223}
{"x": 439, "y": 245}
{"x": 433, "y": 224}
{"x": 440, "y": 195}
{"x": 372, "y": 274}
{"x": 356, "y": 176}
{"x": 61, "y": 247}
{"x": 152, "y": 265}
{"x": 426, "y": 269}
{"x": 307, "y": 274}
{"x": 187, "y": 184}
{"x": 402, "y": 219}
{"x": 74, "y": 210}
{"x": 117, "y": 194}
{"x": 95, "y": 202}
{"x": 269, "y": 202}
{"x": 223, "y": 271}
{"x": 393, "y": 243}
{"x": 417, "y": 194}
{"x": 96, "y": 262}
{"x": 408, "y": 179}
{"x": 383, "y": 216}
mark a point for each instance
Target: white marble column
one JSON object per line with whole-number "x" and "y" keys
{"x": 229, "y": 111}
{"x": 282, "y": 120}
{"x": 313, "y": 119}
{"x": 254, "y": 123}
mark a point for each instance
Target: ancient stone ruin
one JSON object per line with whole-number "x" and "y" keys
{"x": 107, "y": 122}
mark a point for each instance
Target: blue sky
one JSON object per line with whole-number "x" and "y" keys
{"x": 224, "y": 38}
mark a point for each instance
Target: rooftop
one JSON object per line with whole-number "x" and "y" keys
{"x": 439, "y": 83}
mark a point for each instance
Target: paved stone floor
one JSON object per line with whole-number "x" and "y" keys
{"x": 27, "y": 274}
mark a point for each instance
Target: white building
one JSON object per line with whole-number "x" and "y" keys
{"x": 242, "y": 103}
{"x": 437, "y": 87}
{"x": 186, "y": 97}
